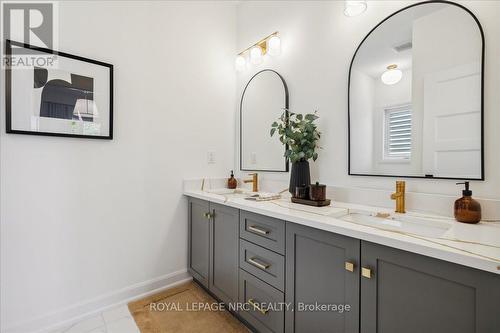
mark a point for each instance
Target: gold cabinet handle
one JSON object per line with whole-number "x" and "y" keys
{"x": 257, "y": 307}
{"x": 366, "y": 272}
{"x": 257, "y": 230}
{"x": 258, "y": 264}
{"x": 349, "y": 266}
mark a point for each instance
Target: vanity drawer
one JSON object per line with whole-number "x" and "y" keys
{"x": 263, "y": 230}
{"x": 263, "y": 263}
{"x": 270, "y": 317}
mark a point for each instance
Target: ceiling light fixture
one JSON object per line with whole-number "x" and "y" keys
{"x": 354, "y": 8}
{"x": 392, "y": 75}
{"x": 270, "y": 44}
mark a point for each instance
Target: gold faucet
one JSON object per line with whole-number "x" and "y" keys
{"x": 254, "y": 181}
{"x": 399, "y": 196}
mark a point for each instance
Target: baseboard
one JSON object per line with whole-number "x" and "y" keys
{"x": 89, "y": 308}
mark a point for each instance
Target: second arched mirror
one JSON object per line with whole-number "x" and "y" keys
{"x": 416, "y": 95}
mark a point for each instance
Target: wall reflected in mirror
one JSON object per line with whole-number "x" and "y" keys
{"x": 264, "y": 99}
{"x": 415, "y": 96}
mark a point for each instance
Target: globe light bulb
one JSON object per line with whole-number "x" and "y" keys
{"x": 256, "y": 55}
{"x": 240, "y": 63}
{"x": 274, "y": 46}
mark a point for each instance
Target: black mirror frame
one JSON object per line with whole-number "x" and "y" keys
{"x": 286, "y": 107}
{"x": 482, "y": 178}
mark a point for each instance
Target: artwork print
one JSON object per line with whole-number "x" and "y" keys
{"x": 72, "y": 99}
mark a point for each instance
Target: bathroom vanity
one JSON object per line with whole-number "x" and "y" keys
{"x": 263, "y": 253}
{"x": 414, "y": 112}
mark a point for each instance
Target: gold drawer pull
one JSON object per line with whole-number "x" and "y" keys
{"x": 258, "y": 230}
{"x": 366, "y": 272}
{"x": 258, "y": 264}
{"x": 349, "y": 266}
{"x": 257, "y": 307}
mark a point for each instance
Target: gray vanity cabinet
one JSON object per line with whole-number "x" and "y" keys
{"x": 224, "y": 252}
{"x": 251, "y": 258}
{"x": 213, "y": 247}
{"x": 406, "y": 292}
{"x": 199, "y": 240}
{"x": 319, "y": 271}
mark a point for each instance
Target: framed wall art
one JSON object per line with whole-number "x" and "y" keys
{"x": 68, "y": 96}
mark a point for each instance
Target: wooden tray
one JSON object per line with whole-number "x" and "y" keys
{"x": 312, "y": 202}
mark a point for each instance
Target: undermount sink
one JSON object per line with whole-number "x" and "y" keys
{"x": 239, "y": 193}
{"x": 407, "y": 224}
{"x": 223, "y": 191}
{"x": 233, "y": 193}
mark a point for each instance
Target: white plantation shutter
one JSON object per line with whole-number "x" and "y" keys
{"x": 397, "y": 141}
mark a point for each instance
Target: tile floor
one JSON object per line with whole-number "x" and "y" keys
{"x": 115, "y": 320}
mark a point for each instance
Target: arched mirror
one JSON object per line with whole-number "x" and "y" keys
{"x": 416, "y": 95}
{"x": 263, "y": 101}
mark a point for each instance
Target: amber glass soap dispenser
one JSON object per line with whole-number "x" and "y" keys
{"x": 467, "y": 210}
{"x": 231, "y": 182}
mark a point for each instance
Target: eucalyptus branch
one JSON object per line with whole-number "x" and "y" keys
{"x": 300, "y": 133}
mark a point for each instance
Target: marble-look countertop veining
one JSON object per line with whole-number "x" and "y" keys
{"x": 476, "y": 246}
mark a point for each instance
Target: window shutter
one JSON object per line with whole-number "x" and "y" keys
{"x": 398, "y": 132}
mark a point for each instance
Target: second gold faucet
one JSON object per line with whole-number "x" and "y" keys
{"x": 399, "y": 196}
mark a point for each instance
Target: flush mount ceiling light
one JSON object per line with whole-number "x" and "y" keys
{"x": 354, "y": 8}
{"x": 392, "y": 75}
{"x": 270, "y": 45}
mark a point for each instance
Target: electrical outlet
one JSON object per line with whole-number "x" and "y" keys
{"x": 211, "y": 157}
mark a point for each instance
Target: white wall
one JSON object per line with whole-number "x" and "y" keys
{"x": 88, "y": 222}
{"x": 318, "y": 44}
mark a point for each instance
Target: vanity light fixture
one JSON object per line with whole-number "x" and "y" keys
{"x": 269, "y": 45}
{"x": 392, "y": 75}
{"x": 354, "y": 8}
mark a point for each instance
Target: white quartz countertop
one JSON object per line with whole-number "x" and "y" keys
{"x": 476, "y": 246}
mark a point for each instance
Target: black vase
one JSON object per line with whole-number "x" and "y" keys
{"x": 299, "y": 176}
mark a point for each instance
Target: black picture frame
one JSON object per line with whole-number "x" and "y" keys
{"x": 287, "y": 101}
{"x": 482, "y": 177}
{"x": 8, "y": 92}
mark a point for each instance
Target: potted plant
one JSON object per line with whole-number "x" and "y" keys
{"x": 300, "y": 135}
